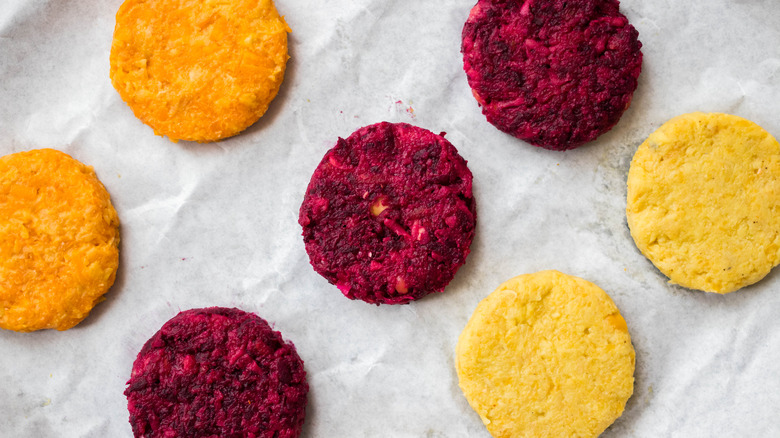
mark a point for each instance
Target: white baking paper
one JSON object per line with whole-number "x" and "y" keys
{"x": 216, "y": 224}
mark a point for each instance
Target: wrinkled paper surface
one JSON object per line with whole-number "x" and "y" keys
{"x": 216, "y": 224}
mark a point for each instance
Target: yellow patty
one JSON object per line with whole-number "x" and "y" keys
{"x": 546, "y": 355}
{"x": 59, "y": 238}
{"x": 704, "y": 201}
{"x": 198, "y": 70}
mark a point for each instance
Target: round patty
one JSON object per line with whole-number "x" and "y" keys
{"x": 555, "y": 73}
{"x": 198, "y": 70}
{"x": 59, "y": 241}
{"x": 703, "y": 201}
{"x": 217, "y": 372}
{"x": 388, "y": 216}
{"x": 546, "y": 355}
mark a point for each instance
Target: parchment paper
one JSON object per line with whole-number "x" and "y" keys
{"x": 216, "y": 224}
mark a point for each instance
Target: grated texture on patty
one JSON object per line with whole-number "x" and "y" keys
{"x": 389, "y": 215}
{"x": 59, "y": 241}
{"x": 198, "y": 70}
{"x": 555, "y": 73}
{"x": 217, "y": 372}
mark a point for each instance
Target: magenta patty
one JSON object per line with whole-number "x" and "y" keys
{"x": 388, "y": 216}
{"x": 555, "y": 73}
{"x": 217, "y": 372}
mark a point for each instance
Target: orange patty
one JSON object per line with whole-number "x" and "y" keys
{"x": 199, "y": 70}
{"x": 59, "y": 241}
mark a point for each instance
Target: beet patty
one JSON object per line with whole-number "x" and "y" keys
{"x": 389, "y": 215}
{"x": 217, "y": 372}
{"x": 555, "y": 73}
